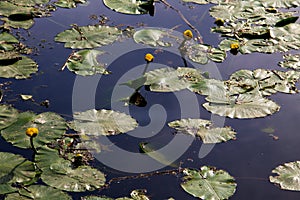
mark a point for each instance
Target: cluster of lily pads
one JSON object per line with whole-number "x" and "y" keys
{"x": 61, "y": 159}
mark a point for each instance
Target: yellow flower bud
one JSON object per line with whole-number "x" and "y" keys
{"x": 219, "y": 22}
{"x": 149, "y": 57}
{"x": 32, "y": 132}
{"x": 234, "y": 46}
{"x": 187, "y": 34}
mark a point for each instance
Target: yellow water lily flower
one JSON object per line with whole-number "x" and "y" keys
{"x": 219, "y": 22}
{"x": 234, "y": 46}
{"x": 149, "y": 57}
{"x": 187, "y": 34}
{"x": 32, "y": 132}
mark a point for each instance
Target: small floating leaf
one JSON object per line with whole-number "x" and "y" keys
{"x": 152, "y": 37}
{"x": 208, "y": 183}
{"x": 26, "y": 97}
{"x": 288, "y": 176}
{"x": 204, "y": 130}
{"x": 50, "y": 125}
{"x": 15, "y": 170}
{"x": 127, "y": 6}
{"x": 84, "y": 62}
{"x": 242, "y": 106}
{"x": 88, "y": 36}
{"x": 103, "y": 122}
{"x": 135, "y": 195}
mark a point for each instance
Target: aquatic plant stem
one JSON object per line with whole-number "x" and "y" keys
{"x": 32, "y": 145}
{"x": 199, "y": 37}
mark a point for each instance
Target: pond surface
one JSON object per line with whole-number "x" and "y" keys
{"x": 249, "y": 159}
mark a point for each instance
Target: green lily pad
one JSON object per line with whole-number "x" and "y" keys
{"x": 84, "y": 63}
{"x": 6, "y": 42}
{"x": 69, "y": 3}
{"x": 9, "y": 8}
{"x": 28, "y": 2}
{"x": 135, "y": 195}
{"x": 201, "y": 53}
{"x": 15, "y": 170}
{"x": 50, "y": 125}
{"x": 170, "y": 79}
{"x": 208, "y": 183}
{"x": 40, "y": 192}
{"x": 8, "y": 115}
{"x": 103, "y": 122}
{"x": 291, "y": 61}
{"x": 127, "y": 6}
{"x": 279, "y": 3}
{"x": 242, "y": 106}
{"x": 204, "y": 1}
{"x": 59, "y": 173}
{"x": 19, "y": 67}
{"x": 204, "y": 130}
{"x": 209, "y": 87}
{"x": 287, "y": 176}
{"x": 266, "y": 81}
{"x": 152, "y": 37}
{"x": 88, "y": 36}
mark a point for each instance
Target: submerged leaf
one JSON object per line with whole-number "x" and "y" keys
{"x": 288, "y": 176}
{"x": 204, "y": 130}
{"x": 88, "y": 36}
{"x": 208, "y": 183}
{"x": 103, "y": 122}
{"x": 84, "y": 62}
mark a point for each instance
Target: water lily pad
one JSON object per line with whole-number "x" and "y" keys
{"x": 152, "y": 37}
{"x": 6, "y": 41}
{"x": 135, "y": 195}
{"x": 88, "y": 36}
{"x": 242, "y": 106}
{"x": 50, "y": 125}
{"x": 291, "y": 61}
{"x": 28, "y": 2}
{"x": 288, "y": 176}
{"x": 103, "y": 122}
{"x": 204, "y": 130}
{"x": 170, "y": 79}
{"x": 20, "y": 67}
{"x": 204, "y": 1}
{"x": 8, "y": 115}
{"x": 60, "y": 173}
{"x": 128, "y": 6}
{"x": 209, "y": 87}
{"x": 266, "y": 81}
{"x": 40, "y": 192}
{"x": 69, "y": 3}
{"x": 208, "y": 183}
{"x": 201, "y": 53}
{"x": 84, "y": 63}
{"x": 15, "y": 170}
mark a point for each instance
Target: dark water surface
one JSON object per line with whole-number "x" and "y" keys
{"x": 250, "y": 159}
